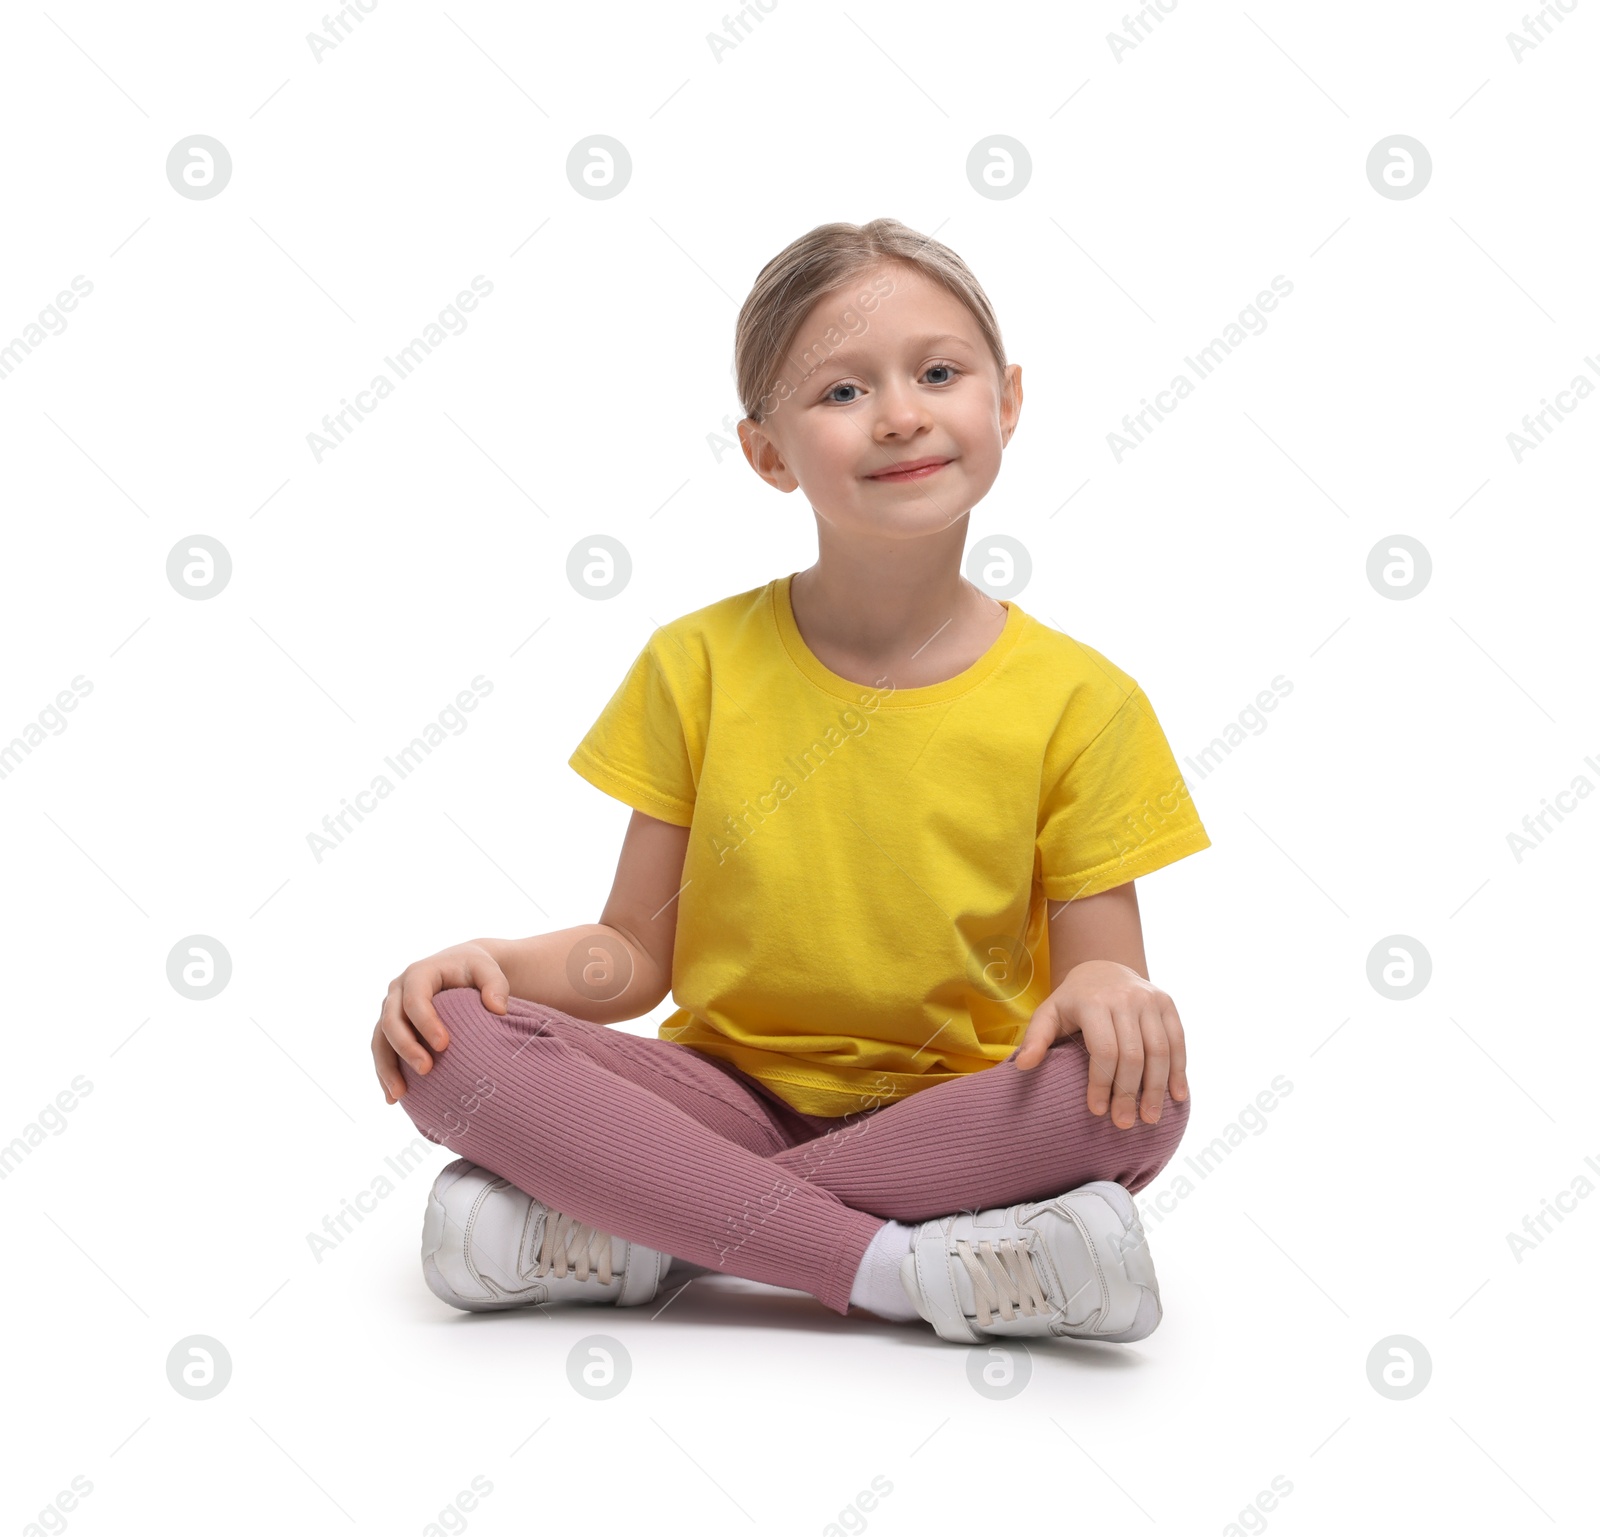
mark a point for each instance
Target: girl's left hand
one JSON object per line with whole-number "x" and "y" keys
{"x": 1132, "y": 1031}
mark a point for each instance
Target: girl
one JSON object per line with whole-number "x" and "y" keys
{"x": 895, "y": 1080}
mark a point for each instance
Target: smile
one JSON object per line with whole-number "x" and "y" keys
{"x": 919, "y": 471}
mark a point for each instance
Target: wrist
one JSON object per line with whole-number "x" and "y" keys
{"x": 592, "y": 971}
{"x": 1101, "y": 967}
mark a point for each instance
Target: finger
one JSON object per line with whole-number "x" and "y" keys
{"x": 1178, "y": 1049}
{"x": 416, "y": 1003}
{"x": 388, "y": 1066}
{"x": 1130, "y": 1065}
{"x": 490, "y": 980}
{"x": 1100, "y": 1036}
{"x": 399, "y": 1034}
{"x": 1157, "y": 1062}
{"x": 1042, "y": 1030}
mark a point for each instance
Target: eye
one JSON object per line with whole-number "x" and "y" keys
{"x": 948, "y": 368}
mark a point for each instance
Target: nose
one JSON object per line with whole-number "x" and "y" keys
{"x": 901, "y": 412}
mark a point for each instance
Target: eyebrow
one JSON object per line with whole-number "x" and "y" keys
{"x": 843, "y": 355}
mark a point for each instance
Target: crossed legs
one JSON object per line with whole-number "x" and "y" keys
{"x": 661, "y": 1145}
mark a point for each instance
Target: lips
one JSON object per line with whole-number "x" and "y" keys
{"x": 911, "y": 466}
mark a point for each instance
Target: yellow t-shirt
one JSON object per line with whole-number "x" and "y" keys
{"x": 863, "y": 909}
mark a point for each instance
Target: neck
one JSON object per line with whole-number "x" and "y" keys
{"x": 884, "y": 603}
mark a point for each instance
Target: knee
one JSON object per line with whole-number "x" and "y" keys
{"x": 480, "y": 1047}
{"x": 466, "y": 1021}
{"x": 1176, "y": 1111}
{"x": 1164, "y": 1136}
{"x": 470, "y": 1021}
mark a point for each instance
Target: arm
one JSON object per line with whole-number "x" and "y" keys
{"x": 1098, "y": 928}
{"x": 616, "y": 969}
{"x": 620, "y": 967}
{"x": 1099, "y": 984}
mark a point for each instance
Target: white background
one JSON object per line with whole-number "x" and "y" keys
{"x": 1167, "y": 189}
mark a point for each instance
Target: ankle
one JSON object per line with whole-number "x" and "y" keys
{"x": 877, "y": 1286}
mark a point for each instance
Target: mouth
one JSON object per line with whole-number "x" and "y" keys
{"x": 915, "y": 469}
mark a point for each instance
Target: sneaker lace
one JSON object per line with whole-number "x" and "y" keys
{"x": 572, "y": 1245}
{"x": 1003, "y": 1277}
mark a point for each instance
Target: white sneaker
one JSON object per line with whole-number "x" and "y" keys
{"x": 487, "y": 1245}
{"x": 1076, "y": 1266}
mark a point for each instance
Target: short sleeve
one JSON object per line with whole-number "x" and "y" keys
{"x": 1119, "y": 808}
{"x": 638, "y": 749}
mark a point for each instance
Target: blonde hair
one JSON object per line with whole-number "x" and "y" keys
{"x": 825, "y": 259}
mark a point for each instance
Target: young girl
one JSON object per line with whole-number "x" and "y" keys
{"x": 895, "y": 1078}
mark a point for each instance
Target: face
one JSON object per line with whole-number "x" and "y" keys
{"x": 912, "y": 381}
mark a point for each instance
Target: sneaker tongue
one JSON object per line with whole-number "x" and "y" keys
{"x": 578, "y": 1248}
{"x": 1003, "y": 1284}
{"x": 1075, "y": 1284}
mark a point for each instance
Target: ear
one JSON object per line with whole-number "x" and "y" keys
{"x": 764, "y": 455}
{"x": 1010, "y": 402}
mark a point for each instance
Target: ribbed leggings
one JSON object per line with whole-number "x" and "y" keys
{"x": 666, "y": 1146}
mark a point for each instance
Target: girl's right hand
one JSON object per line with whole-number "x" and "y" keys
{"x": 409, "y": 1008}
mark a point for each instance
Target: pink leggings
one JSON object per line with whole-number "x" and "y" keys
{"x": 666, "y": 1146}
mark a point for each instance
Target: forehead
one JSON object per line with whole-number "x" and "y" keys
{"x": 916, "y": 313}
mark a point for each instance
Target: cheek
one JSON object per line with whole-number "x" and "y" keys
{"x": 838, "y": 454}
{"x": 977, "y": 422}
{"x": 981, "y": 447}
{"x": 832, "y": 458}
